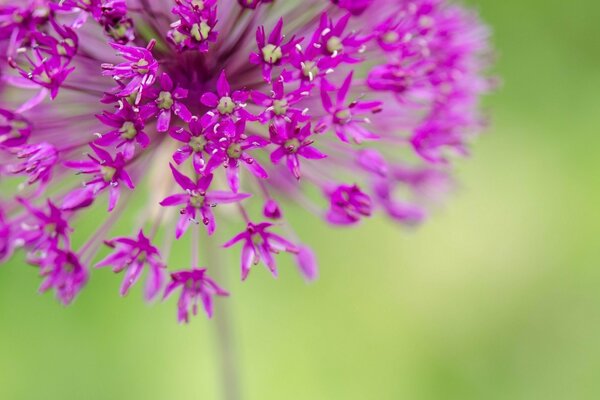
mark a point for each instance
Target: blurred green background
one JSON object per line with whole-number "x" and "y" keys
{"x": 496, "y": 297}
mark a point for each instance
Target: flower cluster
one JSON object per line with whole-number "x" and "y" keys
{"x": 218, "y": 105}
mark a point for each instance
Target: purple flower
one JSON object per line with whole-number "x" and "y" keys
{"x": 294, "y": 142}
{"x": 127, "y": 125}
{"x": 272, "y": 210}
{"x": 333, "y": 42}
{"x": 169, "y": 99}
{"x": 345, "y": 118}
{"x": 106, "y": 171}
{"x": 231, "y": 150}
{"x": 131, "y": 255}
{"x": 195, "y": 286}
{"x": 63, "y": 272}
{"x": 262, "y": 102}
{"x": 226, "y": 103}
{"x": 49, "y": 73}
{"x": 194, "y": 140}
{"x": 195, "y": 29}
{"x": 279, "y": 105}
{"x": 44, "y": 231}
{"x": 260, "y": 245}
{"x": 198, "y": 200}
{"x": 38, "y": 162}
{"x": 348, "y": 204}
{"x": 272, "y": 51}
{"x": 139, "y": 70}
{"x": 14, "y": 129}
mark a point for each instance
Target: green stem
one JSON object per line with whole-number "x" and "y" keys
{"x": 223, "y": 322}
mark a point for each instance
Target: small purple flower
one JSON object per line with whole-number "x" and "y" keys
{"x": 279, "y": 105}
{"x": 131, "y": 255}
{"x": 260, "y": 245}
{"x": 194, "y": 140}
{"x": 38, "y": 162}
{"x": 348, "y": 204}
{"x": 272, "y": 210}
{"x": 272, "y": 50}
{"x": 65, "y": 46}
{"x": 196, "y": 287}
{"x": 44, "y": 230}
{"x": 169, "y": 99}
{"x": 128, "y": 125}
{"x": 294, "y": 142}
{"x": 334, "y": 43}
{"x": 403, "y": 212}
{"x": 14, "y": 129}
{"x": 139, "y": 70}
{"x": 63, "y": 272}
{"x": 108, "y": 172}
{"x": 195, "y": 29}
{"x": 226, "y": 103}
{"x": 344, "y": 118}
{"x": 198, "y": 200}
{"x": 231, "y": 150}
{"x": 48, "y": 72}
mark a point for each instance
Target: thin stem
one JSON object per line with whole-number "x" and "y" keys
{"x": 228, "y": 359}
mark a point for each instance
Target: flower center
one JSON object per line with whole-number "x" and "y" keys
{"x": 390, "y": 37}
{"x": 68, "y": 267}
{"x": 197, "y": 143}
{"x": 310, "y": 69}
{"x": 128, "y": 130}
{"x": 165, "y": 100}
{"x": 234, "y": 150}
{"x": 142, "y": 66}
{"x": 197, "y": 200}
{"x": 343, "y": 116}
{"x": 108, "y": 173}
{"x": 291, "y": 145}
{"x": 200, "y": 31}
{"x": 334, "y": 44}
{"x": 280, "y": 107}
{"x": 271, "y": 53}
{"x": 226, "y": 105}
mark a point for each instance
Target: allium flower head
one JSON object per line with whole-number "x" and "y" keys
{"x": 222, "y": 112}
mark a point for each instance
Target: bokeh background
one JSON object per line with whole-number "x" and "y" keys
{"x": 496, "y": 297}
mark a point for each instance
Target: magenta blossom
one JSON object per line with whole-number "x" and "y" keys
{"x": 127, "y": 125}
{"x": 272, "y": 50}
{"x": 260, "y": 244}
{"x": 196, "y": 287}
{"x": 294, "y": 142}
{"x": 107, "y": 173}
{"x": 63, "y": 272}
{"x": 345, "y": 118}
{"x": 198, "y": 200}
{"x": 348, "y": 204}
{"x": 226, "y": 103}
{"x": 167, "y": 101}
{"x": 223, "y": 113}
{"x": 131, "y": 255}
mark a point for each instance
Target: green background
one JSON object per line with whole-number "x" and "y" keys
{"x": 496, "y": 297}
